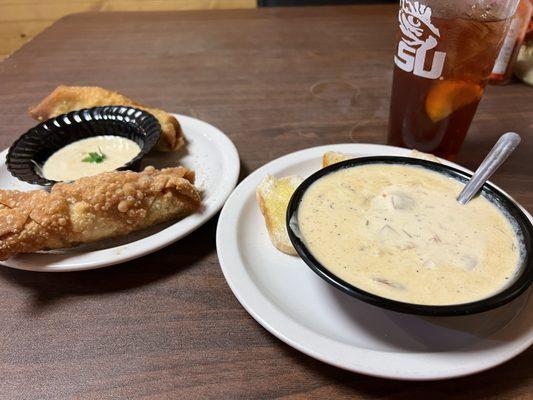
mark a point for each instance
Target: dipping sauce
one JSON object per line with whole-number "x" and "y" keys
{"x": 89, "y": 156}
{"x": 397, "y": 231}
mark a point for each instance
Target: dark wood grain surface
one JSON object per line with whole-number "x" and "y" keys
{"x": 167, "y": 325}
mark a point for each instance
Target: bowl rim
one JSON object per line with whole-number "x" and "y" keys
{"x": 78, "y": 117}
{"x": 509, "y": 293}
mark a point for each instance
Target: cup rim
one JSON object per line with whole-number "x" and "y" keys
{"x": 509, "y": 293}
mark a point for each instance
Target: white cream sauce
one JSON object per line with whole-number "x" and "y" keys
{"x": 67, "y": 163}
{"x": 398, "y": 232}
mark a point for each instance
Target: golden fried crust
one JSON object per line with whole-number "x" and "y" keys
{"x": 70, "y": 98}
{"x": 31, "y": 220}
{"x": 93, "y": 208}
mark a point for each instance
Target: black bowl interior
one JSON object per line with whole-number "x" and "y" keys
{"x": 520, "y": 221}
{"x": 27, "y": 155}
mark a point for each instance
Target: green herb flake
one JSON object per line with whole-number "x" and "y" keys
{"x": 94, "y": 157}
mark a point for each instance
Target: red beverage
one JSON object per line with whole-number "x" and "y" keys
{"x": 441, "y": 68}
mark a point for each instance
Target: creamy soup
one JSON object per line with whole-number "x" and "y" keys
{"x": 398, "y": 232}
{"x": 89, "y": 156}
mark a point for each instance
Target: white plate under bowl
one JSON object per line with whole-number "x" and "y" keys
{"x": 208, "y": 152}
{"x": 293, "y": 303}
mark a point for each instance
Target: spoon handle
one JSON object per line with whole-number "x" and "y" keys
{"x": 499, "y": 153}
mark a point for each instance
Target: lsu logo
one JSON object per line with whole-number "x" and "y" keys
{"x": 419, "y": 37}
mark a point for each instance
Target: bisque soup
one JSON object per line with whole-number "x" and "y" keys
{"x": 397, "y": 231}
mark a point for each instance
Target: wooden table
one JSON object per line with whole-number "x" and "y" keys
{"x": 167, "y": 325}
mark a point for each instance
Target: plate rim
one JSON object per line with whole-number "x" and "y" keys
{"x": 271, "y": 317}
{"x": 230, "y": 157}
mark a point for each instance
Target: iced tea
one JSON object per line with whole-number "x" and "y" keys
{"x": 441, "y": 68}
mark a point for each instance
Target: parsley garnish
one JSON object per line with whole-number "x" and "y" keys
{"x": 95, "y": 157}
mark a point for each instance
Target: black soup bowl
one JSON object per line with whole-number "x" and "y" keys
{"x": 27, "y": 155}
{"x": 521, "y": 222}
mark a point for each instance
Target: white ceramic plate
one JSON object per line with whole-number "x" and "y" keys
{"x": 293, "y": 303}
{"x": 209, "y": 152}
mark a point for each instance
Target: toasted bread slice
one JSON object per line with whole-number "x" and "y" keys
{"x": 273, "y": 197}
{"x": 333, "y": 157}
{"x": 424, "y": 156}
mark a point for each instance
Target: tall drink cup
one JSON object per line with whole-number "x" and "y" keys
{"x": 445, "y": 54}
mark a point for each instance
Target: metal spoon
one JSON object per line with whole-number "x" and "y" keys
{"x": 499, "y": 153}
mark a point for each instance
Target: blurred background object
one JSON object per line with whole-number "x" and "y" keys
{"x": 524, "y": 63}
{"x": 21, "y": 20}
{"x": 503, "y": 68}
{"x": 285, "y": 3}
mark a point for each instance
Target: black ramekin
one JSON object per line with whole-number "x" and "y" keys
{"x": 522, "y": 281}
{"x": 27, "y": 155}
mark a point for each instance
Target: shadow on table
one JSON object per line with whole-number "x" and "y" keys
{"x": 499, "y": 382}
{"x": 414, "y": 333}
{"x": 47, "y": 288}
{"x": 504, "y": 381}
{"x": 511, "y": 377}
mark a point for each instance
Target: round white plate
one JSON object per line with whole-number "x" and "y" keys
{"x": 293, "y": 303}
{"x": 208, "y": 152}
